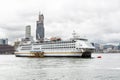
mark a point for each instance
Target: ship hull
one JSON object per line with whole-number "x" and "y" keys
{"x": 54, "y": 54}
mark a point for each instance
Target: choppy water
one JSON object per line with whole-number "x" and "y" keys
{"x": 19, "y": 68}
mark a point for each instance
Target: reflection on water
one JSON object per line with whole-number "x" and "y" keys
{"x": 60, "y": 68}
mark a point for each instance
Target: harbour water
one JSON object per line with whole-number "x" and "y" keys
{"x": 60, "y": 68}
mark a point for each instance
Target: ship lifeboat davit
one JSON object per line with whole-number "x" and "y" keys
{"x": 99, "y": 57}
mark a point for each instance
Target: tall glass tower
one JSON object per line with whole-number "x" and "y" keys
{"x": 40, "y": 28}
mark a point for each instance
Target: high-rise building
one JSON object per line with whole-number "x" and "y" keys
{"x": 28, "y": 31}
{"x": 4, "y": 41}
{"x": 40, "y": 28}
{"x": 119, "y": 46}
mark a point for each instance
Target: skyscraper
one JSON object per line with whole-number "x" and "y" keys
{"x": 4, "y": 41}
{"x": 40, "y": 28}
{"x": 28, "y": 31}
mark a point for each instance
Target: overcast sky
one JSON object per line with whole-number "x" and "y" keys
{"x": 98, "y": 20}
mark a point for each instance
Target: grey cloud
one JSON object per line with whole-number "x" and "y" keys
{"x": 98, "y": 20}
{"x": 11, "y": 27}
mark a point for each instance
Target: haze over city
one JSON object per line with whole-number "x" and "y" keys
{"x": 98, "y": 20}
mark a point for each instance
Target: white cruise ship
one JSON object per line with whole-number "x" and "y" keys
{"x": 76, "y": 46}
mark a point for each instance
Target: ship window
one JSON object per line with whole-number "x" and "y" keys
{"x": 36, "y": 48}
{"x": 25, "y": 49}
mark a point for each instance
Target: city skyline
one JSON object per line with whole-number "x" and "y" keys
{"x": 97, "y": 20}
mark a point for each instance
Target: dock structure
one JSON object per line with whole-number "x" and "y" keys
{"x": 6, "y": 49}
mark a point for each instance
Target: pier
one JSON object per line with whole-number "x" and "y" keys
{"x": 6, "y": 49}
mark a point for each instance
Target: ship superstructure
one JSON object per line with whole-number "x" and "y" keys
{"x": 73, "y": 47}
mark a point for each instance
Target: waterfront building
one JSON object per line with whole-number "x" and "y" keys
{"x": 16, "y": 44}
{"x": 119, "y": 46}
{"x": 5, "y": 48}
{"x": 40, "y": 28}
{"x": 4, "y": 41}
{"x": 28, "y": 31}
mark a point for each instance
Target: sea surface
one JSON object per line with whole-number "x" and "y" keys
{"x": 60, "y": 68}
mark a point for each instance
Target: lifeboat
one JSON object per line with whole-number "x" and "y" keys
{"x": 99, "y": 57}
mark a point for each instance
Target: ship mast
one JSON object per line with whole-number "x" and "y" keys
{"x": 74, "y": 34}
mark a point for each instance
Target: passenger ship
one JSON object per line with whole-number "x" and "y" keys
{"x": 76, "y": 46}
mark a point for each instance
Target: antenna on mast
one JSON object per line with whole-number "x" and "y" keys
{"x": 74, "y": 34}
